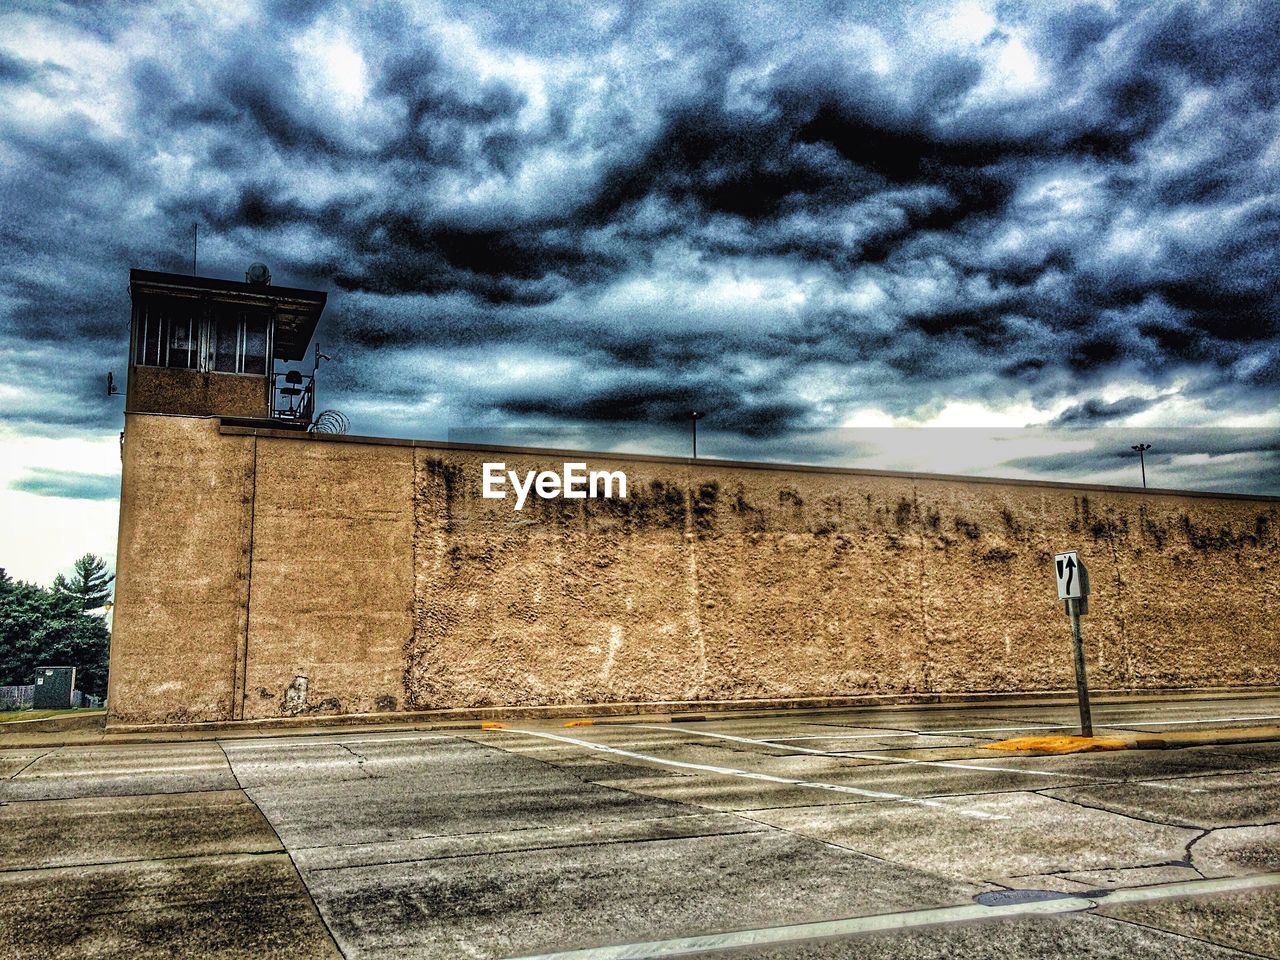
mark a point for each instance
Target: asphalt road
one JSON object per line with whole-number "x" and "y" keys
{"x": 869, "y": 833}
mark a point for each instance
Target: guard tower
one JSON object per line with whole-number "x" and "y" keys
{"x": 205, "y": 347}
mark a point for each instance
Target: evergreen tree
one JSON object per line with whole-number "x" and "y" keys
{"x": 41, "y": 627}
{"x": 90, "y": 583}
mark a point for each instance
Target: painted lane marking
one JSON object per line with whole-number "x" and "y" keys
{"x": 1039, "y": 726}
{"x": 856, "y": 926}
{"x": 945, "y": 764}
{"x": 1191, "y": 888}
{"x": 1115, "y": 725}
{"x": 767, "y": 778}
{"x": 308, "y": 742}
{"x": 1080, "y": 778}
{"x": 844, "y": 736}
{"x": 42, "y": 771}
{"x": 1181, "y": 723}
{"x": 669, "y": 727}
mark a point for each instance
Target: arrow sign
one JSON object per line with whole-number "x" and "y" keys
{"x": 1070, "y": 575}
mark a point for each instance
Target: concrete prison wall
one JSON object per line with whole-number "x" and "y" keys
{"x": 264, "y": 574}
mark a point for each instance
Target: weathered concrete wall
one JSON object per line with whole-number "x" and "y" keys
{"x": 182, "y": 570}
{"x": 377, "y": 572}
{"x": 332, "y": 576}
{"x": 196, "y": 394}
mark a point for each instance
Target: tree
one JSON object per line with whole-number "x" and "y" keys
{"x": 41, "y": 627}
{"x": 90, "y": 583}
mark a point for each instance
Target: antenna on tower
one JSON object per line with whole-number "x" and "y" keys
{"x": 195, "y": 242}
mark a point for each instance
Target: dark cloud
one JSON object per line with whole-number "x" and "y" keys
{"x": 16, "y": 70}
{"x": 657, "y": 400}
{"x": 44, "y": 482}
{"x": 568, "y": 214}
{"x": 1093, "y": 412}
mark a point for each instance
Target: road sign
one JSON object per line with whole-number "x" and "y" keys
{"x": 1073, "y": 579}
{"x": 1073, "y": 587}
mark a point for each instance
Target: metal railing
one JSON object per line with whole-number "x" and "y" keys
{"x": 293, "y": 396}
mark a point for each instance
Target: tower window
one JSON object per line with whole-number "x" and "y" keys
{"x": 226, "y": 344}
{"x": 240, "y": 343}
{"x": 167, "y": 337}
{"x": 254, "y": 344}
{"x": 176, "y": 335}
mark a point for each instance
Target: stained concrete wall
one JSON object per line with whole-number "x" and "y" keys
{"x": 196, "y": 394}
{"x": 376, "y": 571}
{"x": 182, "y": 583}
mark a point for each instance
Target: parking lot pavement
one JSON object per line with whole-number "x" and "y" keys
{"x": 888, "y": 832}
{"x": 119, "y": 770}
{"x": 148, "y": 875}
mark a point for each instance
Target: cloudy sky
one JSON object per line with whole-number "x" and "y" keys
{"x": 827, "y": 225}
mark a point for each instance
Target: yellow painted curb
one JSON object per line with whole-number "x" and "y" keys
{"x": 580, "y": 723}
{"x": 493, "y": 726}
{"x": 1057, "y": 744}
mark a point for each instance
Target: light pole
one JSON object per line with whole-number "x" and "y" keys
{"x": 1142, "y": 449}
{"x": 696, "y": 415}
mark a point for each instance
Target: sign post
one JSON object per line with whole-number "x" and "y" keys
{"x": 1073, "y": 590}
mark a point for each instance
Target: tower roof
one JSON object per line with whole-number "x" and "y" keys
{"x": 296, "y": 311}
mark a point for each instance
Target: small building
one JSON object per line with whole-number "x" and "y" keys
{"x": 200, "y": 347}
{"x": 54, "y": 688}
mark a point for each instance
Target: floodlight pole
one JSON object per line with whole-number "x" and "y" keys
{"x": 1142, "y": 449}
{"x": 1082, "y": 683}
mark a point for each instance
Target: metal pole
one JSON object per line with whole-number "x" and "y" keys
{"x": 1082, "y": 683}
{"x": 1142, "y": 449}
{"x": 695, "y": 435}
{"x": 195, "y": 241}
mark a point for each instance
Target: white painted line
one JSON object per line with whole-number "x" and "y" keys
{"x": 819, "y": 930}
{"x": 957, "y": 765}
{"x": 1181, "y": 723}
{"x": 1038, "y": 726}
{"x": 309, "y": 742}
{"x": 1078, "y": 777}
{"x": 42, "y": 772}
{"x": 855, "y": 926}
{"x": 669, "y": 727}
{"x": 767, "y": 778}
{"x": 843, "y": 736}
{"x": 945, "y": 764}
{"x": 1192, "y": 888}
{"x": 1101, "y": 723}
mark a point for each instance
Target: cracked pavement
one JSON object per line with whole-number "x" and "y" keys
{"x": 538, "y": 839}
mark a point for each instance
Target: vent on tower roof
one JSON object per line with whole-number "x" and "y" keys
{"x": 258, "y": 273}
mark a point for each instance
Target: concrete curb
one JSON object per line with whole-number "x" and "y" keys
{"x": 721, "y": 708}
{"x": 1223, "y": 736}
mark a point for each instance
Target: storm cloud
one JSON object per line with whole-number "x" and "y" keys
{"x": 65, "y": 484}
{"x": 594, "y": 218}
